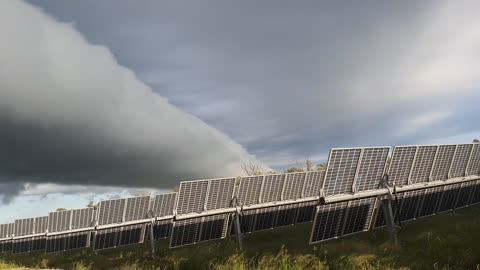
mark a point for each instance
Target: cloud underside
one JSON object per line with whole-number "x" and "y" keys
{"x": 70, "y": 114}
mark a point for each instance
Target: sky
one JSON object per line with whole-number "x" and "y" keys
{"x": 100, "y": 99}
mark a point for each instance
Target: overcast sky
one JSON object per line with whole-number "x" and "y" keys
{"x": 121, "y": 95}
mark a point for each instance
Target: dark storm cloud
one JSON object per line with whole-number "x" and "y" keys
{"x": 70, "y": 114}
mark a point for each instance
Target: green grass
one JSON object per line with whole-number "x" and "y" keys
{"x": 447, "y": 241}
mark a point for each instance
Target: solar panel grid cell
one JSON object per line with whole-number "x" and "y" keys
{"x": 449, "y": 198}
{"x": 162, "y": 229}
{"x": 430, "y": 202}
{"x": 306, "y": 212}
{"x": 185, "y": 232}
{"x": 460, "y": 160}
{"x": 131, "y": 234}
{"x": 359, "y": 216}
{"x": 465, "y": 194}
{"x": 272, "y": 188}
{"x": 341, "y": 171}
{"x": 423, "y": 164}
{"x": 265, "y": 218}
{"x": 137, "y": 208}
{"x": 249, "y": 190}
{"x": 401, "y": 164}
{"x": 24, "y": 227}
{"x": 442, "y": 163}
{"x": 5, "y": 246}
{"x": 220, "y": 193}
{"x": 59, "y": 221}
{"x": 164, "y": 204}
{"x": 328, "y": 222}
{"x": 82, "y": 218}
{"x": 411, "y": 203}
{"x": 293, "y": 186}
{"x": 474, "y": 163}
{"x": 286, "y": 215}
{"x": 213, "y": 227}
{"x": 56, "y": 243}
{"x": 371, "y": 168}
{"x": 476, "y": 194}
{"x": 106, "y": 238}
{"x": 77, "y": 240}
{"x": 41, "y": 224}
{"x": 6, "y": 230}
{"x": 111, "y": 211}
{"x": 192, "y": 196}
{"x": 313, "y": 183}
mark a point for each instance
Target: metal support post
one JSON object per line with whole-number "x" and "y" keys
{"x": 152, "y": 240}
{"x": 389, "y": 219}
{"x": 238, "y": 231}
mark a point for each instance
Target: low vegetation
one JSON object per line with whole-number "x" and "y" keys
{"x": 445, "y": 242}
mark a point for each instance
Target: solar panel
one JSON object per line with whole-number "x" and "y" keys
{"x": 111, "y": 211}
{"x": 249, "y": 190}
{"x": 21, "y": 245}
{"x": 474, "y": 163}
{"x": 59, "y": 221}
{"x": 411, "y": 203}
{"x": 131, "y": 234}
{"x": 56, "y": 243}
{"x": 185, "y": 232}
{"x": 38, "y": 243}
{"x": 430, "y": 201}
{"x": 313, "y": 183}
{"x": 137, "y": 208}
{"x": 220, "y": 193}
{"x": 192, "y": 196}
{"x": 272, "y": 188}
{"x": 449, "y": 198}
{"x": 247, "y": 220}
{"x": 6, "y": 230}
{"x": 328, "y": 221}
{"x": 106, "y": 238}
{"x": 214, "y": 227}
{"x": 423, "y": 164}
{"x": 306, "y": 212}
{"x": 401, "y": 164}
{"x": 465, "y": 194}
{"x": 286, "y": 215}
{"x": 341, "y": 169}
{"x": 293, "y": 186}
{"x": 5, "y": 246}
{"x": 442, "y": 163}
{"x": 26, "y": 245}
{"x": 265, "y": 218}
{"x": 82, "y": 218}
{"x": 77, "y": 240}
{"x": 161, "y": 229}
{"x": 396, "y": 204}
{"x": 358, "y": 216}
{"x": 24, "y": 227}
{"x": 371, "y": 168}
{"x": 191, "y": 231}
{"x": 41, "y": 224}
{"x": 70, "y": 241}
{"x": 164, "y": 204}
{"x": 476, "y": 194}
{"x": 460, "y": 160}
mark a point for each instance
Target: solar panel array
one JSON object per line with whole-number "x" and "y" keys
{"x": 202, "y": 210}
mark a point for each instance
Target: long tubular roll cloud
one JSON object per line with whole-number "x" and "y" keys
{"x": 70, "y": 114}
